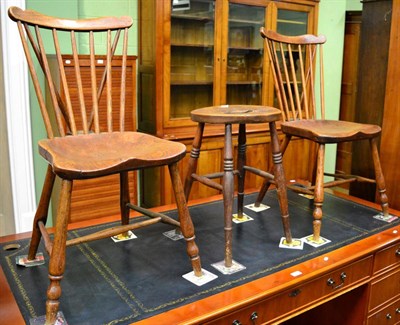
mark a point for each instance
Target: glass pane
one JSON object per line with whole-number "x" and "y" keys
{"x": 192, "y": 56}
{"x": 245, "y": 53}
{"x": 292, "y": 22}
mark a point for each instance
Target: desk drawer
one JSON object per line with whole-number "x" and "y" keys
{"x": 388, "y": 316}
{"x": 386, "y": 287}
{"x": 306, "y": 294}
{"x": 387, "y": 258}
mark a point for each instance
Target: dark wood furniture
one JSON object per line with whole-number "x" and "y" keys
{"x": 370, "y": 294}
{"x": 212, "y": 55}
{"x": 378, "y": 93}
{"x": 295, "y": 68}
{"x": 229, "y": 116}
{"x": 78, "y": 148}
{"x": 376, "y": 22}
{"x": 348, "y": 92}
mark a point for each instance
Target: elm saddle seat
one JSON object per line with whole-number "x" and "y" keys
{"x": 241, "y": 115}
{"x": 294, "y": 67}
{"x": 80, "y": 145}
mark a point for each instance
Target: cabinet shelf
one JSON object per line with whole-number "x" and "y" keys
{"x": 246, "y": 21}
{"x": 200, "y": 17}
{"x": 244, "y": 82}
{"x": 191, "y": 83}
{"x": 244, "y": 48}
{"x": 176, "y": 44}
{"x": 291, "y": 22}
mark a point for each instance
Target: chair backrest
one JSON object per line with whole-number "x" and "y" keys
{"x": 294, "y": 67}
{"x": 46, "y": 40}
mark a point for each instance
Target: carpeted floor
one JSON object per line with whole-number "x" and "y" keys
{"x": 120, "y": 283}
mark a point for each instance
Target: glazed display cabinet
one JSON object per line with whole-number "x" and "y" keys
{"x": 198, "y": 53}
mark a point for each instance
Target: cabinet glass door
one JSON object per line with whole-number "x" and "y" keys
{"x": 192, "y": 56}
{"x": 292, "y": 22}
{"x": 245, "y": 54}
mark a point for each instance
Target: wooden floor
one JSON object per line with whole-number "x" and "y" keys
{"x": 218, "y": 308}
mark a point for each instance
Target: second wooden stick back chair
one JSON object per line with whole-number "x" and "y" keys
{"x": 80, "y": 143}
{"x": 295, "y": 64}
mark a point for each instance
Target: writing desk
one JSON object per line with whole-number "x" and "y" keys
{"x": 353, "y": 284}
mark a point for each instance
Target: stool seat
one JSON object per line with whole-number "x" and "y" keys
{"x": 236, "y": 114}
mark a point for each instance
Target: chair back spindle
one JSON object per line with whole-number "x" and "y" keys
{"x": 47, "y": 41}
{"x": 294, "y": 68}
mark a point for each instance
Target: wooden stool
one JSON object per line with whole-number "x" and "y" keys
{"x": 242, "y": 115}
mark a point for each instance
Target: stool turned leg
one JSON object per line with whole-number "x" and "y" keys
{"x": 185, "y": 220}
{"x": 41, "y": 212}
{"x": 318, "y": 193}
{"x": 194, "y": 156}
{"x": 57, "y": 257}
{"x": 280, "y": 181}
{"x": 241, "y": 162}
{"x": 267, "y": 182}
{"x": 380, "y": 180}
{"x": 227, "y": 193}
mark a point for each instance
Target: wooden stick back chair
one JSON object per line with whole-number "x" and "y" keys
{"x": 295, "y": 64}
{"x": 79, "y": 145}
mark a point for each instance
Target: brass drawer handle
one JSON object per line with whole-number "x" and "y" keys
{"x": 254, "y": 317}
{"x": 388, "y": 316}
{"x": 331, "y": 282}
{"x": 397, "y": 310}
{"x": 295, "y": 292}
{"x": 398, "y": 252}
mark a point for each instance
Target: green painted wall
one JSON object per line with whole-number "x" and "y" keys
{"x": 331, "y": 23}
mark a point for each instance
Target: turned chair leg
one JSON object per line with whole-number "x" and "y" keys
{"x": 318, "y": 193}
{"x": 280, "y": 181}
{"x": 267, "y": 182}
{"x": 380, "y": 180}
{"x": 41, "y": 212}
{"x": 124, "y": 197}
{"x": 57, "y": 256}
{"x": 227, "y": 193}
{"x": 185, "y": 220}
{"x": 241, "y": 162}
{"x": 194, "y": 156}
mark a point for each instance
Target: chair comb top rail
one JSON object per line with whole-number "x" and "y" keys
{"x": 71, "y": 111}
{"x": 300, "y": 39}
{"x": 294, "y": 67}
{"x": 32, "y": 17}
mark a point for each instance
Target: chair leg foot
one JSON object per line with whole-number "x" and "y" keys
{"x": 319, "y": 193}
{"x": 57, "y": 257}
{"x": 317, "y": 214}
{"x": 185, "y": 220}
{"x": 53, "y": 295}
{"x": 380, "y": 180}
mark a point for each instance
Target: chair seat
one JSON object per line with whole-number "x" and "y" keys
{"x": 330, "y": 131}
{"x": 93, "y": 155}
{"x": 236, "y": 114}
